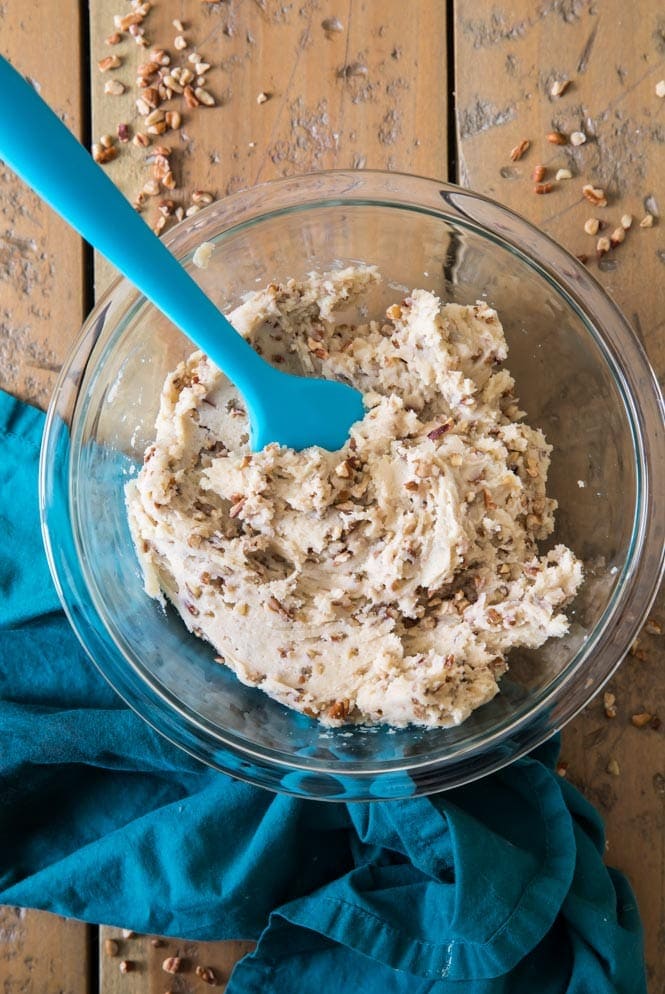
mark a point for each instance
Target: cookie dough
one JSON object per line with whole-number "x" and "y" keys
{"x": 386, "y": 582}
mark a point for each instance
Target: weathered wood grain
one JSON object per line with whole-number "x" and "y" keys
{"x": 366, "y": 91}
{"x": 42, "y": 954}
{"x": 41, "y": 309}
{"x": 372, "y": 94}
{"x": 41, "y": 259}
{"x": 144, "y": 957}
{"x": 507, "y": 56}
{"x": 613, "y": 54}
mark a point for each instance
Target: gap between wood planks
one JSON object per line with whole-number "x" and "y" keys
{"x": 86, "y": 139}
{"x": 451, "y": 129}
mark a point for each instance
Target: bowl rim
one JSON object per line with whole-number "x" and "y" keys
{"x": 634, "y": 591}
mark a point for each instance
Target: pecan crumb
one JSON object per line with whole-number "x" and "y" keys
{"x": 642, "y": 719}
{"x": 108, "y": 62}
{"x": 203, "y": 97}
{"x": 339, "y": 710}
{"x": 487, "y": 499}
{"x": 609, "y": 705}
{"x": 559, "y": 87}
{"x": 278, "y": 608}
{"x": 123, "y": 23}
{"x": 237, "y": 507}
{"x": 111, "y": 947}
{"x": 172, "y": 964}
{"x": 603, "y": 245}
{"x": 103, "y": 155}
{"x": 519, "y": 150}
{"x": 440, "y": 430}
{"x": 594, "y": 195}
{"x": 190, "y": 98}
{"x": 206, "y": 974}
{"x": 114, "y": 87}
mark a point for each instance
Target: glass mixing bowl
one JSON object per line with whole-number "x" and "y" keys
{"x": 581, "y": 376}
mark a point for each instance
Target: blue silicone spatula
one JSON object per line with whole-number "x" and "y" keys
{"x": 294, "y": 411}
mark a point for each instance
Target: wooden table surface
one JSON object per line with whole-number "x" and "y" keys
{"x": 445, "y": 89}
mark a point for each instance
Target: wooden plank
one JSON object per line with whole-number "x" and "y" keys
{"x": 372, "y": 94}
{"x": 41, "y": 259}
{"x": 522, "y": 54}
{"x": 136, "y": 963}
{"x": 506, "y": 61}
{"x": 42, "y": 954}
{"x": 41, "y": 309}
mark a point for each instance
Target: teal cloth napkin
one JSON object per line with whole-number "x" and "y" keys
{"x": 494, "y": 888}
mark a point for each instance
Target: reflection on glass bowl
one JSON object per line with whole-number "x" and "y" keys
{"x": 581, "y": 376}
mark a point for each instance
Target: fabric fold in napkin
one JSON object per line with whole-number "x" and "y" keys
{"x": 498, "y": 887}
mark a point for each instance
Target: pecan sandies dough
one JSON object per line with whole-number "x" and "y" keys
{"x": 386, "y": 582}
